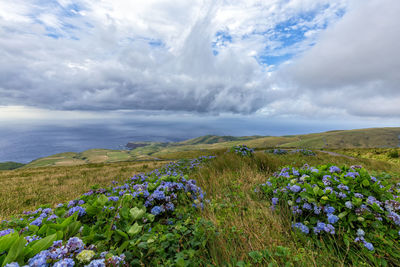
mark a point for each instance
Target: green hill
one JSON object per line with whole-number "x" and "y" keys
{"x": 338, "y": 139}
{"x": 9, "y": 165}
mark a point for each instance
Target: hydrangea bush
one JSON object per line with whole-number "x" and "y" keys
{"x": 358, "y": 210}
{"x": 242, "y": 150}
{"x": 151, "y": 219}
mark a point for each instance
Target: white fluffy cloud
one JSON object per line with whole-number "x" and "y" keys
{"x": 355, "y": 65}
{"x": 200, "y": 56}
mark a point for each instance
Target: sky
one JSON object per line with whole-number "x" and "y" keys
{"x": 330, "y": 62}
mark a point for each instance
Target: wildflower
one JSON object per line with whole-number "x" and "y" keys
{"x": 329, "y": 209}
{"x": 369, "y": 246}
{"x": 332, "y": 218}
{"x": 334, "y": 169}
{"x": 295, "y": 188}
{"x": 74, "y": 244}
{"x": 156, "y": 210}
{"x": 39, "y": 259}
{"x": 275, "y": 200}
{"x": 96, "y": 263}
{"x": 307, "y": 206}
{"x": 317, "y": 210}
{"x": 329, "y": 229}
{"x": 6, "y": 232}
{"x": 348, "y": 204}
{"x": 113, "y": 198}
{"x": 64, "y": 263}
{"x": 13, "y": 264}
{"x": 81, "y": 211}
{"x": 303, "y": 228}
{"x": 358, "y": 195}
{"x": 342, "y": 195}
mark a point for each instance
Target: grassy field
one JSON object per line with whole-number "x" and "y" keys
{"x": 26, "y": 189}
{"x": 361, "y": 138}
{"x": 244, "y": 221}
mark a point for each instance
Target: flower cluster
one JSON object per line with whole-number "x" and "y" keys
{"x": 242, "y": 150}
{"x": 111, "y": 218}
{"x": 338, "y": 201}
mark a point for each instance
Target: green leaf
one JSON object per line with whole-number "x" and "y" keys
{"x": 42, "y": 244}
{"x": 101, "y": 200}
{"x": 316, "y": 190}
{"x": 122, "y": 233}
{"x": 365, "y": 183}
{"x": 136, "y": 213}
{"x": 180, "y": 262}
{"x": 15, "y": 250}
{"x": 135, "y": 229}
{"x": 7, "y": 241}
{"x": 343, "y": 214}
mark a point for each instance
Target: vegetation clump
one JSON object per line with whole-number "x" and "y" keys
{"x": 242, "y": 150}
{"x": 152, "y": 219}
{"x": 358, "y": 212}
{"x": 277, "y": 151}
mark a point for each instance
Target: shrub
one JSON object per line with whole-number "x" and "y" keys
{"x": 359, "y": 211}
{"x": 277, "y": 151}
{"x": 242, "y": 150}
{"x": 141, "y": 222}
{"x": 394, "y": 154}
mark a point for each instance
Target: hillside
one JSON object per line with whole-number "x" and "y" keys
{"x": 339, "y": 139}
{"x": 233, "y": 223}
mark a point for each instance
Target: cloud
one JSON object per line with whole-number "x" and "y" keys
{"x": 277, "y": 57}
{"x": 355, "y": 65}
{"x": 153, "y": 55}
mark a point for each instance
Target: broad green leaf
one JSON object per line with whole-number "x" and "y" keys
{"x": 15, "y": 250}
{"x": 7, "y": 241}
{"x": 135, "y": 229}
{"x": 137, "y": 213}
{"x": 42, "y": 244}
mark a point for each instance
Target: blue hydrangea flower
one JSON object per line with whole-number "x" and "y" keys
{"x": 12, "y": 264}
{"x": 6, "y": 232}
{"x": 334, "y": 169}
{"x": 329, "y": 209}
{"x": 96, "y": 263}
{"x": 369, "y": 246}
{"x": 113, "y": 198}
{"x": 295, "y": 188}
{"x": 332, "y": 218}
{"x": 348, "y": 204}
{"x": 275, "y": 200}
{"x": 156, "y": 210}
{"x": 81, "y": 211}
{"x": 307, "y": 206}
{"x": 64, "y": 263}
{"x": 303, "y": 228}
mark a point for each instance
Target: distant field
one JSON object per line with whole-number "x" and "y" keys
{"x": 361, "y": 138}
{"x": 25, "y": 189}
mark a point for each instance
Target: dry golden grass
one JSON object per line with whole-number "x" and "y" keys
{"x": 26, "y": 189}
